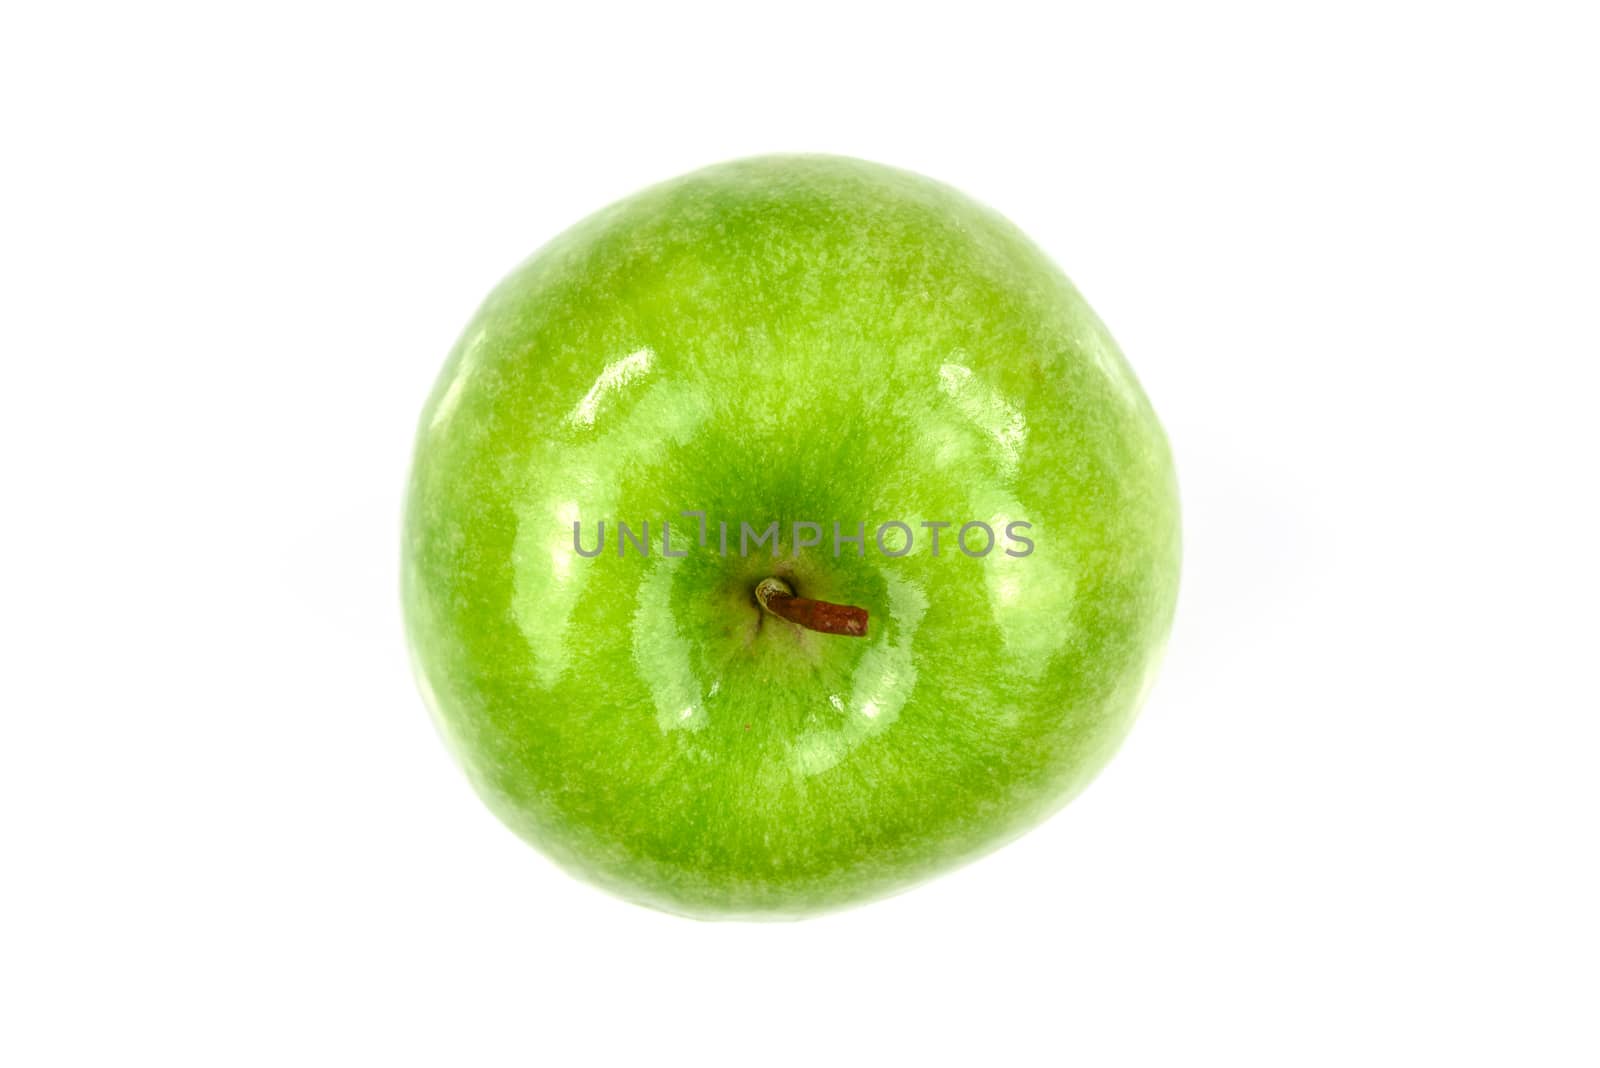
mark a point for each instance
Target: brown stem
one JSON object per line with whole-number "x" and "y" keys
{"x": 776, "y": 597}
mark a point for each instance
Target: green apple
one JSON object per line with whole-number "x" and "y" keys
{"x": 847, "y": 379}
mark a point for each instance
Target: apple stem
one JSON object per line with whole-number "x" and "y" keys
{"x": 775, "y": 596}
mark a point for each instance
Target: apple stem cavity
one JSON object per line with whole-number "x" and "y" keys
{"x": 775, "y": 596}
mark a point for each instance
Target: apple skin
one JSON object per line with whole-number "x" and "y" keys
{"x": 797, "y": 338}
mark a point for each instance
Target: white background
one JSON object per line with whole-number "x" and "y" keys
{"x": 1354, "y": 256}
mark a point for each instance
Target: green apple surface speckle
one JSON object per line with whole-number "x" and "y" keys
{"x": 812, "y": 342}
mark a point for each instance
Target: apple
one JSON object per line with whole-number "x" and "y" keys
{"x": 783, "y": 535}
